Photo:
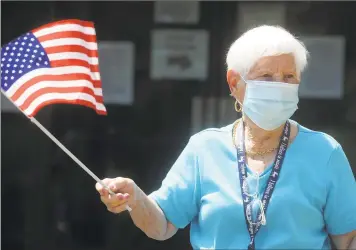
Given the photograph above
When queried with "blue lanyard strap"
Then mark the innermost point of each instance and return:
(241, 162)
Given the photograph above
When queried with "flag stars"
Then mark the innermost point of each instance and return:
(20, 57)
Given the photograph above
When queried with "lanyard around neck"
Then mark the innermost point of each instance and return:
(241, 162)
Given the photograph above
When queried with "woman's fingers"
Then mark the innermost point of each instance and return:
(117, 184)
(124, 190)
(113, 184)
(102, 190)
(114, 200)
(118, 208)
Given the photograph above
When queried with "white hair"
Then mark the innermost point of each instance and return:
(264, 41)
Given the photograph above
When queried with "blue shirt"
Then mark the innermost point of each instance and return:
(315, 194)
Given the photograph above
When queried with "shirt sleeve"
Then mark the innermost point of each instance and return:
(340, 209)
(178, 196)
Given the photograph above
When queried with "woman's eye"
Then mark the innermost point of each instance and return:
(266, 77)
(289, 76)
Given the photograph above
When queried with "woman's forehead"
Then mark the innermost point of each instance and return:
(275, 64)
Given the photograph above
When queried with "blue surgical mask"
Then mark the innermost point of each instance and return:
(270, 104)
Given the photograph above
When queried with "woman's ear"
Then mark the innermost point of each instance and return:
(232, 79)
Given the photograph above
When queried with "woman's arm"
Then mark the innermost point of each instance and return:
(345, 241)
(173, 206)
(149, 217)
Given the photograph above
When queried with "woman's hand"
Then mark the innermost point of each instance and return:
(146, 214)
(125, 191)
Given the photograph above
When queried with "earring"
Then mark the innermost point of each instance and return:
(237, 106)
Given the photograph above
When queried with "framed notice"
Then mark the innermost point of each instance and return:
(179, 54)
(324, 76)
(116, 61)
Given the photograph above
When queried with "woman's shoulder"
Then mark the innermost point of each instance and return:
(306, 138)
(213, 134)
(316, 139)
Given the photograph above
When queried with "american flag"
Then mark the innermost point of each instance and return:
(55, 63)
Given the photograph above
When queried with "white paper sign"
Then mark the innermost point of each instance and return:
(186, 12)
(179, 54)
(116, 61)
(324, 76)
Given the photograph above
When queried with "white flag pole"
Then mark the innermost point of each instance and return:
(59, 144)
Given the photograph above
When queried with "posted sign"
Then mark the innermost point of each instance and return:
(179, 54)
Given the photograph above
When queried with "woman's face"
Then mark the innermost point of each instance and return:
(280, 68)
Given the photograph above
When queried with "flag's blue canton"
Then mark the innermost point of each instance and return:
(21, 56)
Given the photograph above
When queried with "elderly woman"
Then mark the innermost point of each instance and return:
(263, 182)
